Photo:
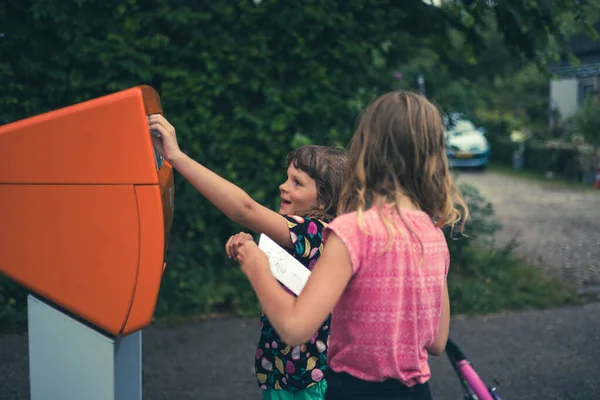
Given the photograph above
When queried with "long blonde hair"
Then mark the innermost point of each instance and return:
(398, 151)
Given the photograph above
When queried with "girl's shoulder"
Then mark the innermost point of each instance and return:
(296, 220)
(345, 226)
(307, 238)
(349, 218)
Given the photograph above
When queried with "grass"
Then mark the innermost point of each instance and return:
(496, 280)
(539, 177)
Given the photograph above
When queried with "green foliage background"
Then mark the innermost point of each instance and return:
(245, 82)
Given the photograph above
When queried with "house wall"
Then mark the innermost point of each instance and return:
(564, 96)
(575, 83)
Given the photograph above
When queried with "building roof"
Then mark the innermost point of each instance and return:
(583, 70)
(587, 50)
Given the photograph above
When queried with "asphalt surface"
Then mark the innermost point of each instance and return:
(535, 355)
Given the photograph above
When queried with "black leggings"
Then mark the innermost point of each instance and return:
(342, 386)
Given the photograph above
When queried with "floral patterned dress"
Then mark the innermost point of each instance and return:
(278, 365)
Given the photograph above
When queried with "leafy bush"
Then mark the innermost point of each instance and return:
(479, 229)
(502, 149)
(238, 96)
(566, 162)
(498, 280)
(497, 121)
(241, 81)
(537, 157)
(585, 123)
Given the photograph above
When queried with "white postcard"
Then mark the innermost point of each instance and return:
(284, 267)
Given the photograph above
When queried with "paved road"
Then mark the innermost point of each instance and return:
(558, 227)
(538, 355)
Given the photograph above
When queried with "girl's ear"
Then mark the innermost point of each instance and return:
(321, 206)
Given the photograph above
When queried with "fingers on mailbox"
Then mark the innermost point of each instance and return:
(164, 132)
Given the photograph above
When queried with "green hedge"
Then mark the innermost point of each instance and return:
(502, 150)
(240, 81)
(538, 157)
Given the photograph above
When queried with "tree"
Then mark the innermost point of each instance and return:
(585, 123)
(239, 79)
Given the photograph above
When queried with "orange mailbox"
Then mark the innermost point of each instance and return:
(86, 208)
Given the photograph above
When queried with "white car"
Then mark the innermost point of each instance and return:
(466, 146)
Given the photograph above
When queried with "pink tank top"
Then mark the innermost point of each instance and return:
(390, 310)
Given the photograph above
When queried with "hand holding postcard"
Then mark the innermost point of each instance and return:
(284, 267)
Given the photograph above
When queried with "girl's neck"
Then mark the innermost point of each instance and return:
(401, 201)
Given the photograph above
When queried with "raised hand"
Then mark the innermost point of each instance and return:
(164, 138)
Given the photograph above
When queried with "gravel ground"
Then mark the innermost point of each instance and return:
(557, 227)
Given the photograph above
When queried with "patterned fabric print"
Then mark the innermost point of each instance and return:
(391, 308)
(278, 365)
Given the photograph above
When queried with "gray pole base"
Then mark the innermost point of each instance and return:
(71, 361)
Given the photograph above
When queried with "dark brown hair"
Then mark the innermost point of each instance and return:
(326, 165)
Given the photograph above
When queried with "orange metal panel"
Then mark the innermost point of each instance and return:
(93, 142)
(151, 258)
(85, 215)
(77, 246)
(156, 215)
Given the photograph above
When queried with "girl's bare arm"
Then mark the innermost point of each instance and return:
(234, 202)
(296, 319)
(439, 345)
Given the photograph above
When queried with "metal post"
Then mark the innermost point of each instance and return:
(71, 361)
(421, 83)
